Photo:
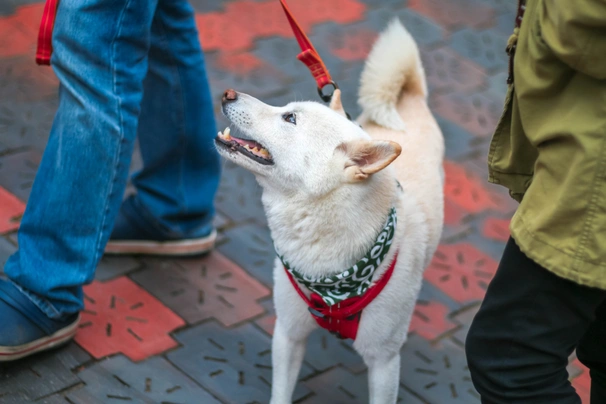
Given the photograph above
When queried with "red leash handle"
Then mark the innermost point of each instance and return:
(309, 56)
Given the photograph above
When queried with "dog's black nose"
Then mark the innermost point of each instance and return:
(229, 96)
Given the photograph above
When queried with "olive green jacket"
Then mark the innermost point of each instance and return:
(549, 147)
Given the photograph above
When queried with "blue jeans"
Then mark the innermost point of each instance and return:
(127, 68)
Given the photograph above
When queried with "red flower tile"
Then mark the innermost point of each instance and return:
(496, 229)
(582, 383)
(11, 211)
(203, 288)
(240, 63)
(461, 271)
(453, 14)
(243, 21)
(453, 213)
(19, 32)
(352, 45)
(430, 320)
(120, 316)
(466, 190)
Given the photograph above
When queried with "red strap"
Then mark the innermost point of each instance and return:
(309, 55)
(45, 34)
(342, 319)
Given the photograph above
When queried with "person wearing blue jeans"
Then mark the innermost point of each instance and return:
(126, 68)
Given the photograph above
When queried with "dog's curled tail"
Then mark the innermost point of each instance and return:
(393, 69)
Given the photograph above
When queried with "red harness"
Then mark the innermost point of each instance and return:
(342, 319)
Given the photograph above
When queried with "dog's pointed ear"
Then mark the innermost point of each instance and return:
(335, 103)
(366, 157)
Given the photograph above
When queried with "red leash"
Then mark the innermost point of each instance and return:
(309, 56)
(45, 34)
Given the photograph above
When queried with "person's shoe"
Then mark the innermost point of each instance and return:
(25, 329)
(133, 235)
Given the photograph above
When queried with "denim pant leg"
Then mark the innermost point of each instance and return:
(180, 175)
(100, 58)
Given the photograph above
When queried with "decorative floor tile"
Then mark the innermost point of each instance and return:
(248, 20)
(252, 248)
(121, 317)
(464, 318)
(582, 383)
(325, 351)
(430, 320)
(478, 113)
(353, 44)
(239, 195)
(19, 31)
(338, 386)
(425, 32)
(486, 48)
(11, 212)
(22, 80)
(497, 86)
(153, 381)
(466, 190)
(40, 375)
(446, 71)
(502, 6)
(437, 373)
(6, 250)
(114, 266)
(454, 14)
(204, 288)
(17, 172)
(245, 73)
(457, 140)
(461, 271)
(496, 229)
(268, 321)
(234, 364)
(26, 124)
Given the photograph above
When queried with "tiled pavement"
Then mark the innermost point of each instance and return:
(199, 330)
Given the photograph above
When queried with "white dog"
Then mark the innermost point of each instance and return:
(332, 191)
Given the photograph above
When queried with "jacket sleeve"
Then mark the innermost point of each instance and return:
(575, 31)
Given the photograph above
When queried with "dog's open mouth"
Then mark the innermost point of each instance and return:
(249, 148)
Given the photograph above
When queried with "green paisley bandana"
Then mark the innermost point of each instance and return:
(356, 280)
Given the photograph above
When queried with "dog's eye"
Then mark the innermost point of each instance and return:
(290, 118)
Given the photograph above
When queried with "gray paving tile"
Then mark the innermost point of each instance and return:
(152, 381)
(234, 364)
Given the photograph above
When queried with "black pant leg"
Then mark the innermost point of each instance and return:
(529, 323)
(591, 351)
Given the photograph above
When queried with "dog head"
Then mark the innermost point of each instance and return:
(303, 146)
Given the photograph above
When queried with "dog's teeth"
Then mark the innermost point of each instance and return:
(226, 134)
(264, 152)
(256, 149)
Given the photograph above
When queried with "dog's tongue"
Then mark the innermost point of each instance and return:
(247, 142)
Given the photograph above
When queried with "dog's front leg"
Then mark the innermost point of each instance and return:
(287, 356)
(383, 377)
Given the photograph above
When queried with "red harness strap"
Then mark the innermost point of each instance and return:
(342, 319)
(309, 55)
(45, 34)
